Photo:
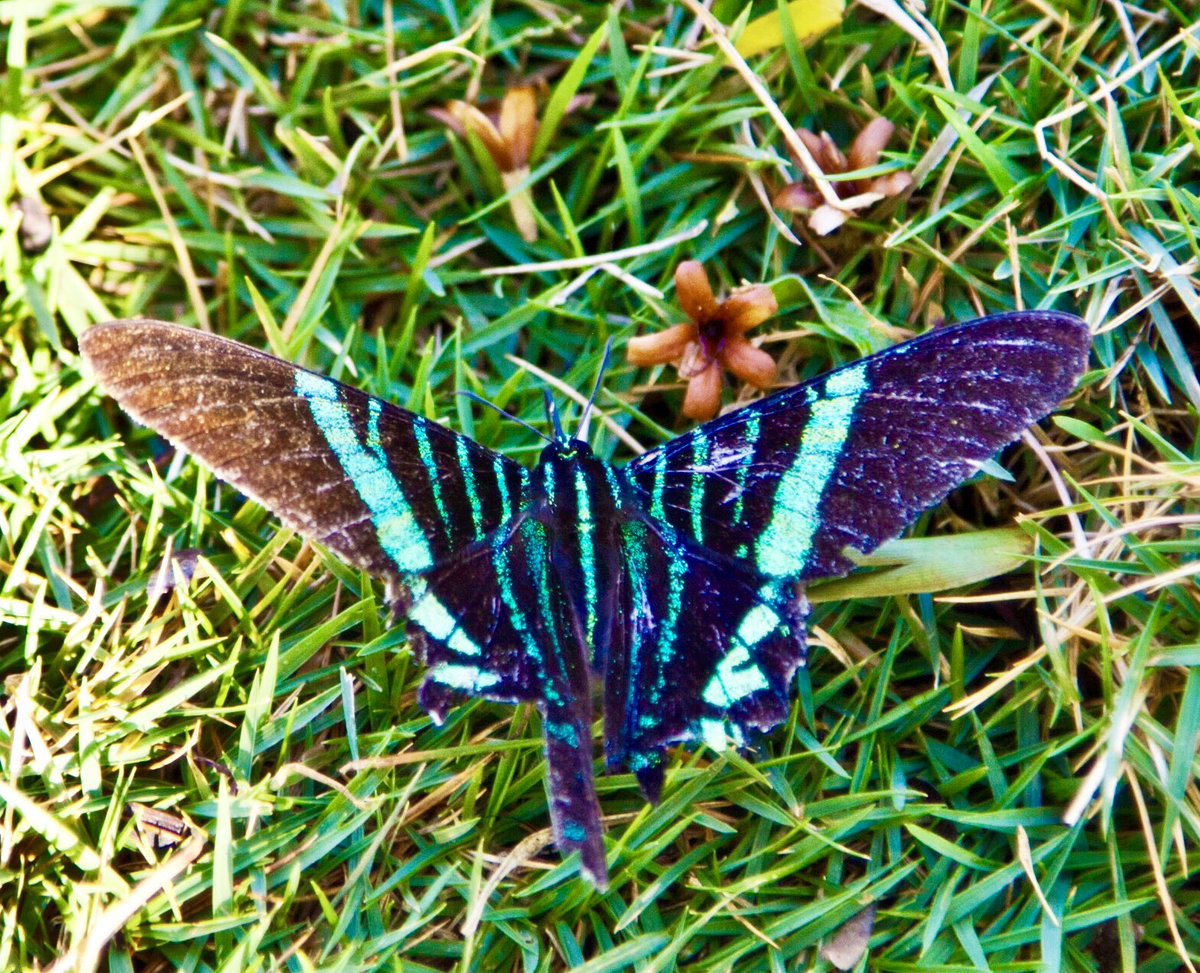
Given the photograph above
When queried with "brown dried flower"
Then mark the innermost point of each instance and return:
(854, 193)
(508, 137)
(713, 340)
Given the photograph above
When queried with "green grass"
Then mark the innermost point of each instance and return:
(239, 166)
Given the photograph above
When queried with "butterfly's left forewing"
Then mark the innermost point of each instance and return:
(848, 460)
(386, 490)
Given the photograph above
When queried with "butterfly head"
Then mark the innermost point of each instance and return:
(561, 466)
(566, 452)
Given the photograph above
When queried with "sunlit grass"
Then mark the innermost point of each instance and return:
(233, 769)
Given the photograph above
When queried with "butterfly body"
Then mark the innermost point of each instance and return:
(541, 588)
(676, 581)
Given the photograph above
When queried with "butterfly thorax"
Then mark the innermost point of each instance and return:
(577, 498)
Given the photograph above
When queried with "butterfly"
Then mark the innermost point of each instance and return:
(677, 578)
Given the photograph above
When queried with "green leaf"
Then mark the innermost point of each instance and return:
(988, 157)
(917, 565)
(564, 91)
(246, 73)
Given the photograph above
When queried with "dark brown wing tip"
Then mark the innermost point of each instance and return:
(112, 337)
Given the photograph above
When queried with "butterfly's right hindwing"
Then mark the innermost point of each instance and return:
(385, 489)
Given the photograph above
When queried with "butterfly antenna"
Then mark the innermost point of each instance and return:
(552, 416)
(507, 415)
(587, 409)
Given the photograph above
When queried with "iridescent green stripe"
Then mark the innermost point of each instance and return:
(469, 679)
(718, 734)
(564, 733)
(677, 570)
(425, 452)
(735, 677)
(431, 614)
(759, 622)
(614, 484)
(783, 547)
(700, 445)
(501, 563)
(574, 831)
(374, 411)
(634, 543)
(538, 558)
(396, 528)
(648, 665)
(502, 488)
(469, 485)
(587, 549)
(660, 483)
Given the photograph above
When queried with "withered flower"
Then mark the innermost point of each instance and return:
(508, 138)
(854, 193)
(713, 339)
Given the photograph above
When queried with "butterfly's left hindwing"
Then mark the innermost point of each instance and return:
(386, 490)
(708, 651)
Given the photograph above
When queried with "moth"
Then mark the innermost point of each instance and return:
(676, 579)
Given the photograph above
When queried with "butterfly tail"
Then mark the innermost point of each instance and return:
(574, 808)
(558, 638)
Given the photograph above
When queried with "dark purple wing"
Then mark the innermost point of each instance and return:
(706, 651)
(849, 459)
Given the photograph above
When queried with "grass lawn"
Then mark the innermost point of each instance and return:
(211, 752)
